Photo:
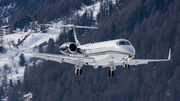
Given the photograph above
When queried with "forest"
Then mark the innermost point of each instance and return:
(152, 26)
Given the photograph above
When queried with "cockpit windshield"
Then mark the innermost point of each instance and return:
(124, 43)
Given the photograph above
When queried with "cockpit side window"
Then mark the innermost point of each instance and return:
(122, 43)
(128, 43)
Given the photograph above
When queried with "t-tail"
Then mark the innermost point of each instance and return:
(72, 30)
(72, 33)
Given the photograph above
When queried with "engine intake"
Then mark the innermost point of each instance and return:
(68, 48)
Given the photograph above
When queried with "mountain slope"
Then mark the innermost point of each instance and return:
(152, 26)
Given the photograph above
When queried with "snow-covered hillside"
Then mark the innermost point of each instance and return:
(9, 61)
(11, 58)
(95, 8)
(4, 12)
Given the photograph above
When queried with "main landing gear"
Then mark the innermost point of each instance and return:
(126, 66)
(110, 73)
(112, 69)
(78, 71)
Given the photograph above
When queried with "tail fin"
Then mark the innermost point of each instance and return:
(73, 31)
(71, 35)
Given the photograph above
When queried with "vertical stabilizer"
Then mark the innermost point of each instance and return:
(73, 33)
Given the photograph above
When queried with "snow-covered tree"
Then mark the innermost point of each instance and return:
(22, 60)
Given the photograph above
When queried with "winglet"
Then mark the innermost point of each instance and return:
(169, 56)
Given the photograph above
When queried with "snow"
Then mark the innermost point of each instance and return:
(11, 58)
(9, 61)
(11, 6)
(5, 99)
(5, 12)
(113, 1)
(27, 96)
(95, 8)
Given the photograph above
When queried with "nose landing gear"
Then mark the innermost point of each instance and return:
(125, 65)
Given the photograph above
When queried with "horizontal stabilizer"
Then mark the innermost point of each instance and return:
(72, 26)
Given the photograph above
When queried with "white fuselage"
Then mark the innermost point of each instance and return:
(108, 51)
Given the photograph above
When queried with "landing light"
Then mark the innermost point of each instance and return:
(130, 57)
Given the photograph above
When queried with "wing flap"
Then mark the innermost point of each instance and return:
(144, 61)
(63, 58)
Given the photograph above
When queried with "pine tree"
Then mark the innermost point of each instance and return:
(50, 47)
(40, 49)
(25, 28)
(11, 28)
(11, 84)
(22, 60)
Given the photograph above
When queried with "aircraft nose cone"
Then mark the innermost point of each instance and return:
(132, 51)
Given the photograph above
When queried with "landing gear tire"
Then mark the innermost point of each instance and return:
(112, 73)
(126, 65)
(76, 71)
(80, 71)
(109, 73)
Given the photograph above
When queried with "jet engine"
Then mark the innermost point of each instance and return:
(68, 48)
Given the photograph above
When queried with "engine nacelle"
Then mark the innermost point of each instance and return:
(68, 48)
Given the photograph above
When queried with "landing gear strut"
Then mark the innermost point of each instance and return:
(112, 69)
(78, 69)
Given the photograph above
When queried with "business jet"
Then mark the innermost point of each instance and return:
(110, 54)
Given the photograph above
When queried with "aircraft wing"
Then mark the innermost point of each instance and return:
(58, 57)
(63, 58)
(144, 61)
